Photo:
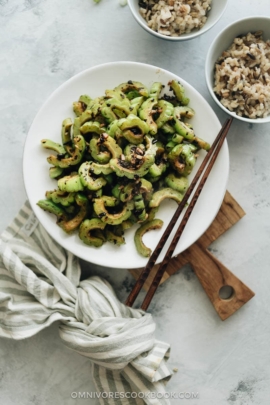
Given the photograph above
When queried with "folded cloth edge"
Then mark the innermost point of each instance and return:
(22, 230)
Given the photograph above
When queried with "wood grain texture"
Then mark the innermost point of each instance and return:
(212, 274)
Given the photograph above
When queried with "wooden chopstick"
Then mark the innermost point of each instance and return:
(213, 151)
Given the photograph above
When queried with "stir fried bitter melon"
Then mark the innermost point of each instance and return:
(121, 156)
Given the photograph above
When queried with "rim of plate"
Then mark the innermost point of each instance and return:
(36, 209)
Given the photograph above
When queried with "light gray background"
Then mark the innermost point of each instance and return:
(42, 44)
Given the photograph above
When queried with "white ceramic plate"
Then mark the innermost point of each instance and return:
(47, 124)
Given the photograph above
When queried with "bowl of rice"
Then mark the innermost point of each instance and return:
(177, 20)
(237, 69)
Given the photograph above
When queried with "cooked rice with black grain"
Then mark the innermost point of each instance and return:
(173, 17)
(242, 76)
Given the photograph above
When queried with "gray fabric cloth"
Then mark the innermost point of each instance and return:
(40, 284)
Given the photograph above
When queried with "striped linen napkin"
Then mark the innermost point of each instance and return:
(40, 284)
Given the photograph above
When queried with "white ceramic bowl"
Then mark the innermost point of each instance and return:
(47, 124)
(223, 42)
(218, 8)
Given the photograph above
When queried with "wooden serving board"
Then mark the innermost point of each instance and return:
(213, 275)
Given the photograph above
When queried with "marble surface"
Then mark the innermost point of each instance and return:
(42, 44)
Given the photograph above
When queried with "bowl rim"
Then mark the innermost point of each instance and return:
(208, 70)
(187, 37)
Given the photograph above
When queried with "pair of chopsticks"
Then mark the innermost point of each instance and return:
(203, 171)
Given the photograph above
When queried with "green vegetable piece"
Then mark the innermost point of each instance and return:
(194, 147)
(187, 132)
(146, 186)
(55, 172)
(182, 159)
(91, 112)
(114, 238)
(76, 152)
(125, 168)
(70, 225)
(66, 131)
(91, 126)
(80, 106)
(70, 183)
(146, 113)
(156, 170)
(177, 183)
(142, 249)
(119, 106)
(61, 197)
(151, 148)
(116, 94)
(176, 139)
(98, 233)
(87, 179)
(87, 234)
(182, 112)
(152, 213)
(133, 86)
(155, 90)
(113, 129)
(116, 190)
(109, 200)
(76, 126)
(135, 104)
(132, 151)
(84, 98)
(101, 156)
(153, 179)
(160, 195)
(201, 144)
(127, 192)
(95, 106)
(183, 130)
(129, 151)
(128, 223)
(139, 206)
(112, 219)
(119, 113)
(167, 110)
(132, 94)
(132, 121)
(160, 148)
(167, 129)
(108, 142)
(53, 208)
(134, 129)
(98, 168)
(87, 115)
(170, 145)
(111, 145)
(116, 106)
(179, 92)
(108, 114)
(48, 144)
